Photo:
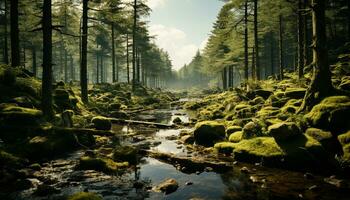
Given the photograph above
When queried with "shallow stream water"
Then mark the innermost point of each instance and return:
(260, 183)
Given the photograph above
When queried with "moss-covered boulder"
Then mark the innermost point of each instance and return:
(100, 164)
(84, 196)
(300, 153)
(331, 114)
(263, 93)
(284, 131)
(224, 147)
(10, 161)
(125, 154)
(251, 130)
(15, 115)
(232, 129)
(208, 132)
(236, 137)
(345, 83)
(328, 141)
(101, 123)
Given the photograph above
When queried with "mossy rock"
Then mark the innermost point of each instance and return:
(84, 196)
(15, 115)
(345, 83)
(224, 147)
(268, 111)
(263, 93)
(257, 101)
(251, 130)
(344, 139)
(114, 106)
(101, 123)
(284, 131)
(208, 132)
(331, 114)
(328, 141)
(125, 154)
(236, 137)
(8, 76)
(300, 153)
(232, 129)
(100, 164)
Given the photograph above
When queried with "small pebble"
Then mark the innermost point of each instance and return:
(309, 176)
(314, 187)
(244, 170)
(189, 183)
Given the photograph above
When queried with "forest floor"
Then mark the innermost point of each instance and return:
(149, 143)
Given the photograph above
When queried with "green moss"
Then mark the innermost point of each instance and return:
(15, 115)
(100, 164)
(232, 129)
(236, 137)
(224, 147)
(268, 111)
(101, 123)
(331, 114)
(344, 139)
(84, 196)
(295, 93)
(260, 147)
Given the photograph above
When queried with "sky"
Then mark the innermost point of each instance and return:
(182, 27)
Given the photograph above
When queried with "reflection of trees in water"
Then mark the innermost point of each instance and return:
(141, 186)
(240, 187)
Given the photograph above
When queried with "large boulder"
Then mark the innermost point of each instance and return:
(236, 137)
(232, 129)
(284, 131)
(101, 123)
(295, 93)
(125, 154)
(328, 141)
(208, 132)
(331, 114)
(263, 93)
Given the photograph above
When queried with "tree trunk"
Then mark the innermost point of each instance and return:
(134, 45)
(34, 68)
(272, 54)
(47, 61)
(224, 78)
(127, 58)
(72, 71)
(348, 20)
(306, 35)
(253, 64)
(15, 52)
(300, 40)
(246, 76)
(256, 41)
(281, 53)
(83, 67)
(6, 51)
(65, 66)
(113, 55)
(97, 68)
(321, 84)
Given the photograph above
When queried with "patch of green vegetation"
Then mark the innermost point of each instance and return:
(344, 139)
(232, 129)
(7, 159)
(101, 164)
(84, 196)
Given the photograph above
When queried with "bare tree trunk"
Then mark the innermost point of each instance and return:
(272, 54)
(321, 84)
(34, 67)
(348, 20)
(65, 66)
(300, 40)
(246, 76)
(256, 41)
(15, 52)
(281, 53)
(46, 102)
(306, 35)
(83, 67)
(6, 51)
(72, 71)
(134, 45)
(127, 58)
(113, 55)
(224, 78)
(253, 64)
(97, 68)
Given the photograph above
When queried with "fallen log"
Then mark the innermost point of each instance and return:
(135, 122)
(190, 164)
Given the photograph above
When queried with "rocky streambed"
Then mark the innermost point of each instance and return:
(166, 168)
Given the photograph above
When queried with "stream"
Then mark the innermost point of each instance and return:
(260, 183)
